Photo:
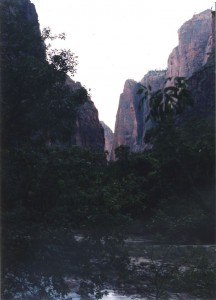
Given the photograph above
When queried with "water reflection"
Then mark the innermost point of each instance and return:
(126, 268)
(111, 296)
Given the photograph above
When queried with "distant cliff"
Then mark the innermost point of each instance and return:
(194, 46)
(130, 126)
(192, 58)
(108, 135)
(198, 67)
(126, 119)
(88, 130)
(156, 80)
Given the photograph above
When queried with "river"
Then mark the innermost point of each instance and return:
(170, 272)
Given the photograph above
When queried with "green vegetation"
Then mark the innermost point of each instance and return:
(165, 194)
(53, 192)
(37, 107)
(168, 271)
(166, 102)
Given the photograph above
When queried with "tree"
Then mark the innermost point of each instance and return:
(36, 105)
(62, 59)
(168, 101)
(122, 153)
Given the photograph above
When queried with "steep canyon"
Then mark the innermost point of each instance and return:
(193, 58)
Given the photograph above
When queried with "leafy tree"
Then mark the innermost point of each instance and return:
(36, 105)
(122, 153)
(168, 101)
(63, 60)
(50, 193)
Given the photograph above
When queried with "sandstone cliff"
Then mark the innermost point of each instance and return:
(26, 7)
(23, 52)
(130, 126)
(192, 58)
(108, 135)
(202, 87)
(156, 80)
(191, 54)
(202, 81)
(88, 130)
(126, 119)
(21, 11)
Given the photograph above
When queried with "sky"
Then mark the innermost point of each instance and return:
(116, 40)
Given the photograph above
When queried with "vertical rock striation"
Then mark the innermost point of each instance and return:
(23, 16)
(156, 80)
(26, 43)
(130, 126)
(202, 81)
(193, 58)
(108, 135)
(195, 38)
(127, 117)
(89, 132)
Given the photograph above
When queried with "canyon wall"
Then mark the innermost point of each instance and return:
(108, 136)
(193, 58)
(89, 132)
(126, 119)
(21, 43)
(194, 46)
(130, 126)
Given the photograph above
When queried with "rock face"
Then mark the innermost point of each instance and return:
(202, 81)
(25, 7)
(210, 48)
(25, 11)
(130, 125)
(156, 80)
(202, 87)
(195, 38)
(192, 58)
(29, 45)
(108, 135)
(89, 132)
(29, 9)
(127, 116)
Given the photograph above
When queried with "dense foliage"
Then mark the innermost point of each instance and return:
(168, 101)
(36, 105)
(165, 194)
(65, 209)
